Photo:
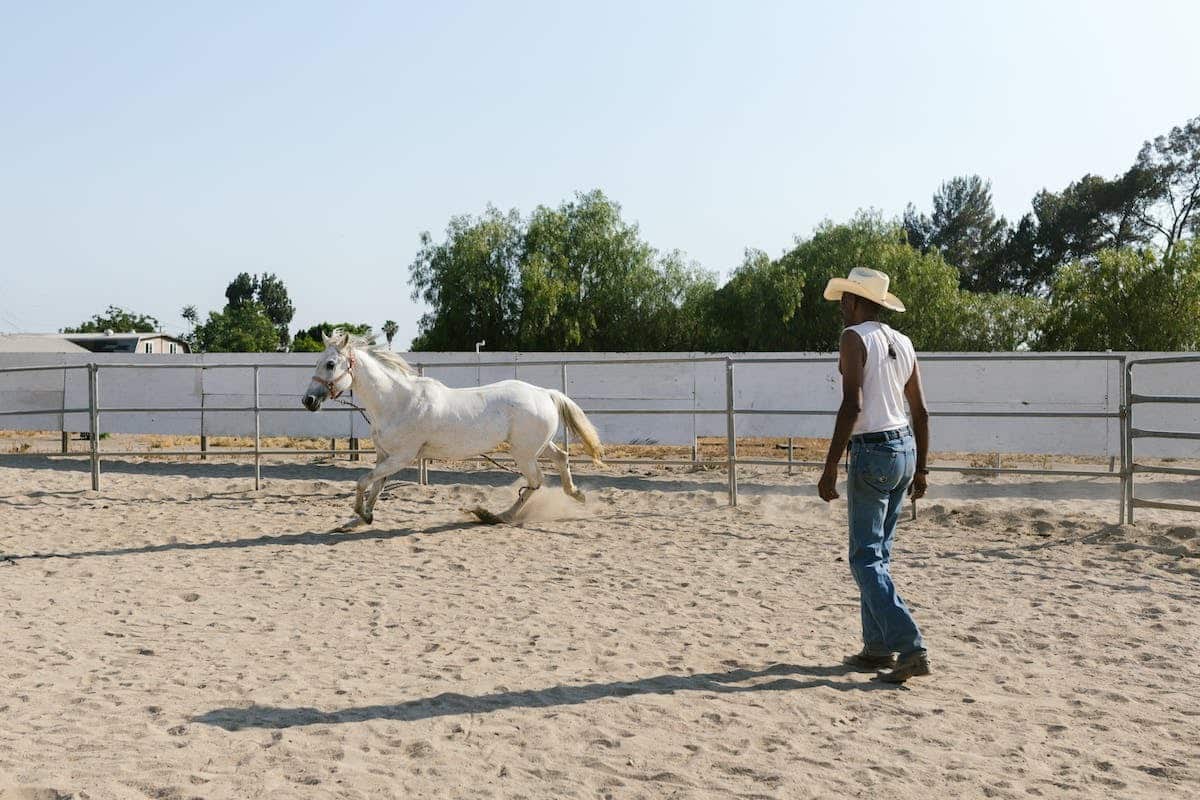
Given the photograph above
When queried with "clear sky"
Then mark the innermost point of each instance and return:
(151, 151)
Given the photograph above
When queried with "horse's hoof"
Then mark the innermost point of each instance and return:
(580, 496)
(485, 516)
(348, 525)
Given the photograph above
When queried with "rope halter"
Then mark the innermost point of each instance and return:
(331, 384)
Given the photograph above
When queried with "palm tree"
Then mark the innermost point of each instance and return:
(389, 330)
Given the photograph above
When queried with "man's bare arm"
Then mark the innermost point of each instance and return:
(852, 359)
(915, 394)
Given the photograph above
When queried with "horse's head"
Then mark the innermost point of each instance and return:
(332, 375)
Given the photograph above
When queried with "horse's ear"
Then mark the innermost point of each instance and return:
(325, 339)
(339, 339)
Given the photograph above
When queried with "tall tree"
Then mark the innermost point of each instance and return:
(253, 304)
(470, 282)
(241, 290)
(389, 330)
(964, 229)
(117, 320)
(272, 295)
(1170, 165)
(589, 281)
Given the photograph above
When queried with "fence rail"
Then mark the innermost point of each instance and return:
(731, 413)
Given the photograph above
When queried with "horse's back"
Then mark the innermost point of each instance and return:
(511, 410)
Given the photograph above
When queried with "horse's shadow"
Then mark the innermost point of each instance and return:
(450, 704)
(327, 538)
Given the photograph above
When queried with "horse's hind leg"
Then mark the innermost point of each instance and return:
(559, 457)
(533, 481)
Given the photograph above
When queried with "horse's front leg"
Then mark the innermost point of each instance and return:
(365, 501)
(372, 482)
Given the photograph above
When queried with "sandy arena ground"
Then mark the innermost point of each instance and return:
(178, 635)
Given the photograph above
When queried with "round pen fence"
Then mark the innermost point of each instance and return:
(1066, 401)
(1135, 400)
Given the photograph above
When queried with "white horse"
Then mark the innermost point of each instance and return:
(417, 417)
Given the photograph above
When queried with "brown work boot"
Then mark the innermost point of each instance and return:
(912, 665)
(869, 662)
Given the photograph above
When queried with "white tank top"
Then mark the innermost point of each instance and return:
(883, 378)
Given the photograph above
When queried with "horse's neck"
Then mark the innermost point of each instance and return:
(377, 386)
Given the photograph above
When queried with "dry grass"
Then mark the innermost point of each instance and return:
(708, 449)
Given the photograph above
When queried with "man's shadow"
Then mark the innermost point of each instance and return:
(450, 704)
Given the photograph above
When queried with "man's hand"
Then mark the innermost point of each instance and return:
(916, 489)
(827, 486)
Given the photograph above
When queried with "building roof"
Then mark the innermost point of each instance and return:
(37, 343)
(123, 342)
(122, 335)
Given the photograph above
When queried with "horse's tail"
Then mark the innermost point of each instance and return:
(578, 423)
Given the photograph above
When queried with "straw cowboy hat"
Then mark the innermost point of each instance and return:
(869, 283)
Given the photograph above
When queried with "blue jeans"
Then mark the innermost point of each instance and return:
(880, 473)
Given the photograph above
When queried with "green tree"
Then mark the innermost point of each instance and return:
(999, 322)
(1127, 300)
(118, 320)
(964, 229)
(575, 277)
(241, 290)
(927, 284)
(589, 282)
(679, 321)
(310, 340)
(756, 309)
(249, 301)
(470, 282)
(272, 295)
(588, 278)
(243, 328)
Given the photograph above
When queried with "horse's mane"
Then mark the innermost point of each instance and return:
(380, 353)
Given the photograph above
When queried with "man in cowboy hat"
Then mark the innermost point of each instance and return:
(879, 372)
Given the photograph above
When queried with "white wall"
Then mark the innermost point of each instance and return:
(974, 383)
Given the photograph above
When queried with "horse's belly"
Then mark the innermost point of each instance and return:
(464, 442)
(447, 452)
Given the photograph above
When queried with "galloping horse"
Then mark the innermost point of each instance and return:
(416, 417)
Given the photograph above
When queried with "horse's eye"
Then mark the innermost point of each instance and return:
(330, 364)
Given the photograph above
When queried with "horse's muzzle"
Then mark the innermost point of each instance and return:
(311, 402)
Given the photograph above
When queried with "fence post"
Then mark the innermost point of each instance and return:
(566, 439)
(62, 418)
(94, 424)
(203, 432)
(1127, 444)
(789, 455)
(257, 435)
(422, 464)
(730, 433)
